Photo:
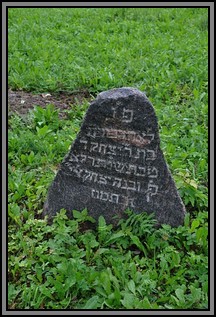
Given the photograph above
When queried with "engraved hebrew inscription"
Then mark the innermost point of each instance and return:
(116, 163)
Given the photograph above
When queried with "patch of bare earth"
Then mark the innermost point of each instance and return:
(21, 101)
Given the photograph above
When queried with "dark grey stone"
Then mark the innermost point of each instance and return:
(116, 163)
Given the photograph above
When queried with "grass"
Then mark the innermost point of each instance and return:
(153, 49)
(136, 266)
(60, 267)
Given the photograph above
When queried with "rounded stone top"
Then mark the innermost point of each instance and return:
(120, 93)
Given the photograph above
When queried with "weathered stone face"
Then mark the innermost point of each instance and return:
(116, 163)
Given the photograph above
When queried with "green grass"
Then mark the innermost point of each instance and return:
(150, 48)
(60, 267)
(160, 51)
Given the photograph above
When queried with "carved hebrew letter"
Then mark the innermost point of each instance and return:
(127, 115)
(84, 142)
(95, 193)
(117, 182)
(152, 190)
(152, 172)
(114, 198)
(150, 155)
(104, 195)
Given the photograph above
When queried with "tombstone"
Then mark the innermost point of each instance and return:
(116, 163)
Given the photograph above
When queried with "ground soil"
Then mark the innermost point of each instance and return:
(22, 101)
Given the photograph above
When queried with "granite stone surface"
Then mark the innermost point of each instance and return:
(116, 163)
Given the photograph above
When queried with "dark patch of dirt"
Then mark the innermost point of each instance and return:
(22, 101)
